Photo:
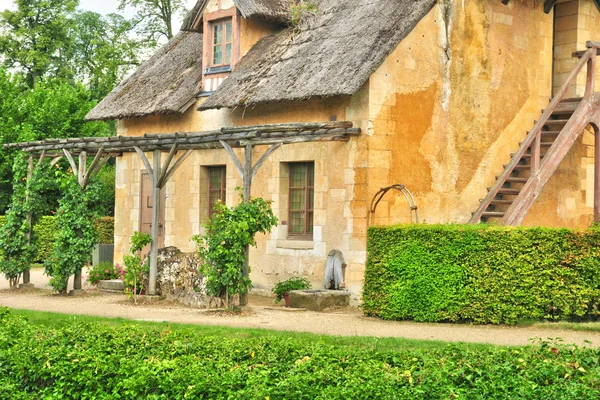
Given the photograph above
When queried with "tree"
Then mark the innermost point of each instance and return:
(34, 36)
(102, 51)
(154, 18)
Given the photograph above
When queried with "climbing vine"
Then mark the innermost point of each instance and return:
(222, 248)
(16, 253)
(17, 238)
(77, 232)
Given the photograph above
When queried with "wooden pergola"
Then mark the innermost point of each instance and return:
(246, 137)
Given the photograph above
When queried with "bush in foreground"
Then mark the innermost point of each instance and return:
(482, 274)
(106, 362)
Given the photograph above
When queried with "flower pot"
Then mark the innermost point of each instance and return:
(286, 297)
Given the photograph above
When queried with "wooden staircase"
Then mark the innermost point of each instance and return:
(544, 147)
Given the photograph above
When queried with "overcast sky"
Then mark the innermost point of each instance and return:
(99, 6)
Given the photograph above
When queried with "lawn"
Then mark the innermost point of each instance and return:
(45, 355)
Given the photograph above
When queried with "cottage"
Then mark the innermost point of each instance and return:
(445, 95)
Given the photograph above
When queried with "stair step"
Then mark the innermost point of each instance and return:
(512, 155)
(507, 191)
(550, 132)
(492, 214)
(556, 122)
(514, 179)
(520, 167)
(501, 202)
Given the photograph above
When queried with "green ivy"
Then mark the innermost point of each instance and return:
(106, 230)
(76, 235)
(223, 248)
(44, 230)
(482, 274)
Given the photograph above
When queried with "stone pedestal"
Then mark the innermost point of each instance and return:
(27, 286)
(319, 300)
(113, 285)
(77, 292)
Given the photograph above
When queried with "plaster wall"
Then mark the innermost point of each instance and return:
(453, 101)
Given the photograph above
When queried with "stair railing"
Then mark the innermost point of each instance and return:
(533, 139)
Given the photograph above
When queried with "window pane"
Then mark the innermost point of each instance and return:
(229, 32)
(218, 34)
(311, 174)
(218, 55)
(228, 53)
(298, 174)
(298, 199)
(310, 222)
(297, 223)
(311, 199)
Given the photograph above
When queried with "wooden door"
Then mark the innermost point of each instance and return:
(146, 211)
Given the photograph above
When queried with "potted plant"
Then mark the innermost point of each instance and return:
(282, 289)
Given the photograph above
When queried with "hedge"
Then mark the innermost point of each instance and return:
(482, 274)
(46, 227)
(101, 361)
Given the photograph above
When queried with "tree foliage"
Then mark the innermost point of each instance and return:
(222, 248)
(154, 18)
(77, 232)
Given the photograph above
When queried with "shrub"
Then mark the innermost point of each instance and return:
(482, 274)
(135, 268)
(44, 230)
(286, 286)
(99, 361)
(105, 271)
(106, 230)
(223, 249)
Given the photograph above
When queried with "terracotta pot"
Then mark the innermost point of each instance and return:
(286, 297)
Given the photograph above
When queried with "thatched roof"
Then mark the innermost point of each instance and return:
(167, 83)
(332, 55)
(275, 11)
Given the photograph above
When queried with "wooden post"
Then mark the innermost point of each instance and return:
(27, 272)
(247, 179)
(155, 222)
(596, 173)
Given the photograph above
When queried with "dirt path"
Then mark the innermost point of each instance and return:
(348, 322)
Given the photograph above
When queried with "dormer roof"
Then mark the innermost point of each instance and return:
(274, 11)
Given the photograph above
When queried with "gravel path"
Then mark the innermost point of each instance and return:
(263, 314)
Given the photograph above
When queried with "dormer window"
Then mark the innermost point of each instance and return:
(222, 47)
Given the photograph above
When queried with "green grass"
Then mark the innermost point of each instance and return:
(573, 326)
(57, 321)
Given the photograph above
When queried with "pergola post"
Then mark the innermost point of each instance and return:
(83, 174)
(155, 222)
(247, 172)
(159, 176)
(596, 173)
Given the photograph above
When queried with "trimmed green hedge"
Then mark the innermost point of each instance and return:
(46, 227)
(99, 361)
(106, 230)
(482, 274)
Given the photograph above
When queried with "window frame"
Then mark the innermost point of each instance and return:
(213, 25)
(222, 190)
(308, 229)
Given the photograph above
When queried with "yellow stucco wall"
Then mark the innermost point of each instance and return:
(441, 115)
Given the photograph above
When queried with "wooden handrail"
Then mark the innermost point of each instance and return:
(537, 129)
